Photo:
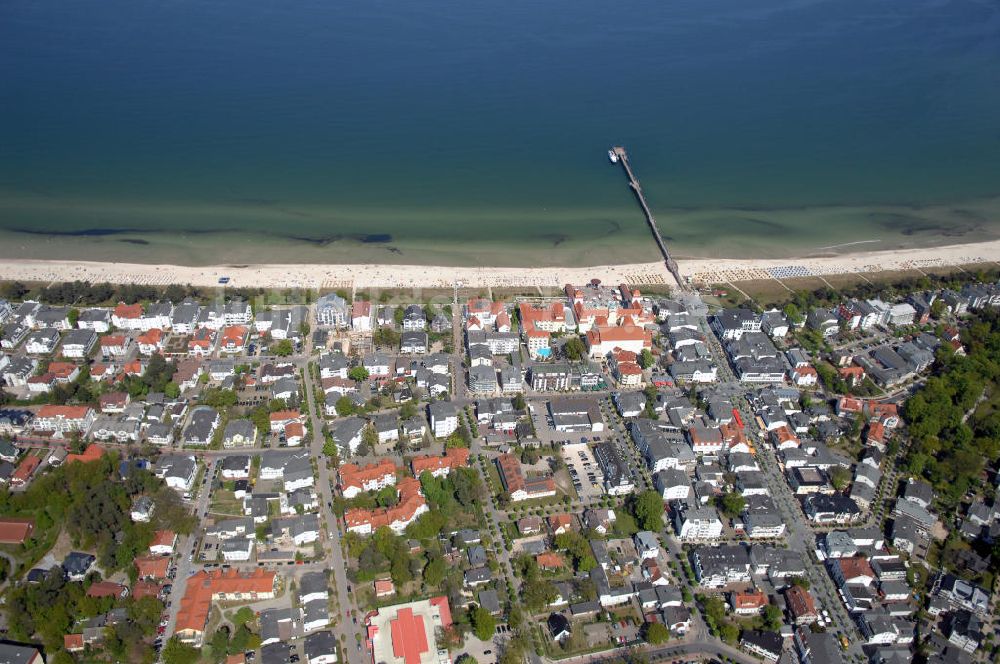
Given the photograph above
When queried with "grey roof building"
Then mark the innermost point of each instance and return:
(201, 426)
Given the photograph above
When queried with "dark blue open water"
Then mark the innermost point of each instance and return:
(440, 126)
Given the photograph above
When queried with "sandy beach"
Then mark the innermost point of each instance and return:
(722, 270)
(697, 270)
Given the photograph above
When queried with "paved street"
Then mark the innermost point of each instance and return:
(798, 531)
(183, 551)
(344, 628)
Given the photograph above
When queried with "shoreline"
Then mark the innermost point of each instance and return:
(332, 276)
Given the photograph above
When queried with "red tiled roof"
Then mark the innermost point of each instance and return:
(854, 567)
(92, 453)
(282, 415)
(361, 308)
(629, 369)
(850, 405)
(557, 521)
(410, 500)
(145, 589)
(234, 335)
(409, 638)
(550, 560)
(25, 469)
(73, 642)
(783, 435)
(153, 566)
(15, 531)
(67, 412)
(800, 602)
(105, 589)
(45, 379)
(109, 340)
(455, 457)
(203, 586)
(876, 409)
(354, 475)
(133, 368)
(163, 538)
(114, 399)
(62, 369)
(152, 337)
(128, 310)
(876, 432)
(749, 600)
(604, 334)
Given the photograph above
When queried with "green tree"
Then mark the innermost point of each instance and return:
(840, 477)
(574, 349)
(731, 504)
(407, 410)
(387, 496)
(647, 508)
(792, 313)
(468, 486)
(344, 407)
(483, 624)
(646, 359)
(219, 398)
(369, 439)
(434, 571)
(799, 581)
(772, 618)
(219, 645)
(171, 390)
(656, 633)
(283, 348)
(729, 632)
(243, 615)
(358, 374)
(519, 403)
(175, 652)
(73, 316)
(330, 448)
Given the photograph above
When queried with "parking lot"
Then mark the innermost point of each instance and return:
(583, 470)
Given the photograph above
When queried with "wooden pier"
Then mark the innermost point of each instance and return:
(633, 182)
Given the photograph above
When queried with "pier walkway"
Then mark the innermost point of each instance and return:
(633, 182)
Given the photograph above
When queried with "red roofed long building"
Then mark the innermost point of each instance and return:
(410, 506)
(203, 588)
(517, 485)
(15, 531)
(603, 339)
(355, 479)
(63, 419)
(440, 466)
(407, 633)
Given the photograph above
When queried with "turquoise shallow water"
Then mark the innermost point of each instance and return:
(470, 132)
